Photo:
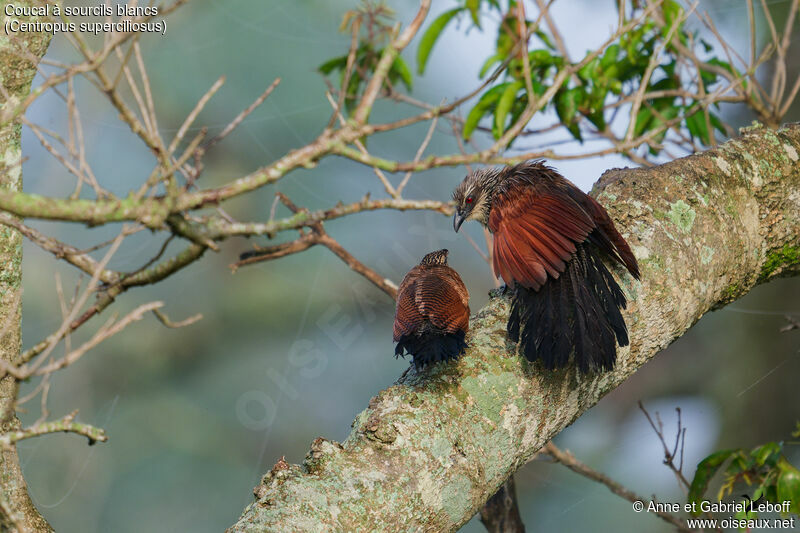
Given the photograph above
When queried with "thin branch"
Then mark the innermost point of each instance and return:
(66, 424)
(72, 255)
(164, 319)
(567, 459)
(192, 116)
(318, 235)
(793, 323)
(241, 116)
(418, 155)
(108, 330)
(669, 456)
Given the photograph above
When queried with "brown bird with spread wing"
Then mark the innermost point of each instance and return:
(550, 239)
(432, 315)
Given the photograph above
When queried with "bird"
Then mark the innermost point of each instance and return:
(550, 241)
(432, 314)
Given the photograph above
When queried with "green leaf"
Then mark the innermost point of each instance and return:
(597, 118)
(589, 71)
(352, 92)
(567, 103)
(609, 56)
(717, 123)
(400, 69)
(697, 126)
(505, 38)
(504, 104)
(474, 9)
(705, 471)
(788, 485)
(544, 38)
(485, 103)
(766, 453)
(431, 35)
(727, 66)
(669, 68)
(333, 64)
(672, 10)
(741, 462)
(540, 58)
(708, 77)
(489, 63)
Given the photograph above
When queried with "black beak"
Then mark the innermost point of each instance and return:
(458, 219)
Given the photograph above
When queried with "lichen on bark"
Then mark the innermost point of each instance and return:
(430, 450)
(16, 74)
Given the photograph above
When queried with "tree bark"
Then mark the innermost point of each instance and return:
(428, 452)
(19, 56)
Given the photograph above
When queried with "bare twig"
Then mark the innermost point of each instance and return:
(793, 323)
(318, 235)
(164, 319)
(241, 116)
(66, 424)
(109, 329)
(670, 455)
(567, 459)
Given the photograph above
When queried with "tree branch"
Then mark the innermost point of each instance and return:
(19, 58)
(430, 450)
(567, 459)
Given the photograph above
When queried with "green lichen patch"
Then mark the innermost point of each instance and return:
(788, 255)
(682, 215)
(732, 291)
(605, 194)
(490, 392)
(706, 255)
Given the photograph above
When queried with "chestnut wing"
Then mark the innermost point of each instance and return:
(407, 317)
(442, 298)
(536, 228)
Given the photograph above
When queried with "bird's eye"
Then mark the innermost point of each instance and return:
(470, 199)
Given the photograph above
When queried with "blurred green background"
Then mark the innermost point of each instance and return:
(292, 349)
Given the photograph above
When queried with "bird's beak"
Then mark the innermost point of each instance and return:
(458, 219)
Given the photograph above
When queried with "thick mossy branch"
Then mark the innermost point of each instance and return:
(430, 450)
(18, 60)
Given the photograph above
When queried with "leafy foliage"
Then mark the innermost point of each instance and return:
(376, 21)
(366, 59)
(589, 99)
(765, 467)
(656, 72)
(601, 85)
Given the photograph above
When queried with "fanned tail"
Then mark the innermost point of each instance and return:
(580, 310)
(432, 346)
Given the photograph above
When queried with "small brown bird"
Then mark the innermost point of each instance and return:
(432, 315)
(550, 239)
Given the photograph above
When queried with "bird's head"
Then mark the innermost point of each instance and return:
(473, 196)
(439, 257)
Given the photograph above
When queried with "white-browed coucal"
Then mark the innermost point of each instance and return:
(550, 240)
(432, 315)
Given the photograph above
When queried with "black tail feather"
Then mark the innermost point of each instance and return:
(580, 310)
(432, 346)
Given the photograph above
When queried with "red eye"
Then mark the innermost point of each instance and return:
(469, 199)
